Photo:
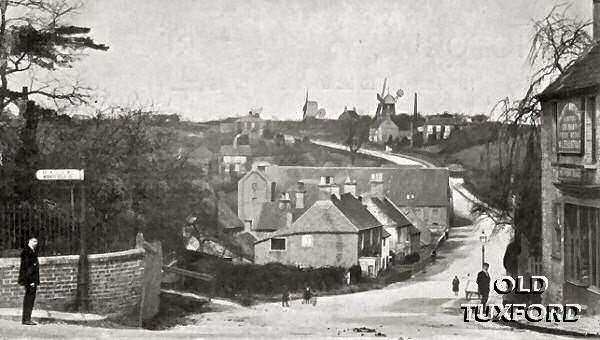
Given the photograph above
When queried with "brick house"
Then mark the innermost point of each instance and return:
(332, 232)
(571, 181)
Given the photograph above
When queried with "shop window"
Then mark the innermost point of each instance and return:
(581, 244)
(277, 244)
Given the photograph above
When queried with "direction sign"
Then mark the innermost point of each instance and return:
(59, 175)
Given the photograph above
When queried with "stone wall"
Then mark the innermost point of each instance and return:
(115, 282)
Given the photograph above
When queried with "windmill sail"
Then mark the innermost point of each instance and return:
(305, 106)
(380, 100)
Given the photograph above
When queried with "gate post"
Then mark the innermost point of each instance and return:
(83, 270)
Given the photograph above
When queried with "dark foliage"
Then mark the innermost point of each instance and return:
(412, 258)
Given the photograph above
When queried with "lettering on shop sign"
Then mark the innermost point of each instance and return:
(570, 130)
(570, 174)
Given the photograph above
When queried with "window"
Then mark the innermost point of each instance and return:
(307, 240)
(248, 224)
(591, 112)
(582, 248)
(277, 244)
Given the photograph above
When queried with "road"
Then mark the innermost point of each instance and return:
(421, 308)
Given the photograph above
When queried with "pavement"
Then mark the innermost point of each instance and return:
(49, 315)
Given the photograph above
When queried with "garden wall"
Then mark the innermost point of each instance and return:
(115, 282)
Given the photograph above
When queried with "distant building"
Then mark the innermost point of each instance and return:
(349, 114)
(311, 109)
(439, 127)
(382, 131)
(234, 158)
(252, 125)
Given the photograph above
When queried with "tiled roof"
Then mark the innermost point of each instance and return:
(389, 209)
(271, 217)
(355, 211)
(227, 218)
(430, 185)
(584, 73)
(322, 217)
(385, 234)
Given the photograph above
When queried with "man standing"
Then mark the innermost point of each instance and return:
(483, 284)
(29, 277)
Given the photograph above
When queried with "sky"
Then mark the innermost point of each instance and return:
(207, 59)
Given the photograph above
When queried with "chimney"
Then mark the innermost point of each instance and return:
(284, 201)
(350, 186)
(376, 184)
(334, 190)
(300, 196)
(596, 19)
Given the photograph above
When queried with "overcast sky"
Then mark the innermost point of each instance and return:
(206, 59)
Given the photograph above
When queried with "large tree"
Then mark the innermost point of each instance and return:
(356, 134)
(36, 34)
(513, 194)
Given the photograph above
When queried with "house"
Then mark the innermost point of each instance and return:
(438, 127)
(386, 130)
(422, 194)
(252, 125)
(334, 231)
(349, 114)
(234, 158)
(571, 181)
(405, 238)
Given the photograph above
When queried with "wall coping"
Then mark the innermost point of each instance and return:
(104, 257)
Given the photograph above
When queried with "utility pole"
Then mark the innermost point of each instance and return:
(414, 123)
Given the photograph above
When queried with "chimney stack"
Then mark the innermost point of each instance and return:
(350, 186)
(300, 196)
(596, 21)
(376, 183)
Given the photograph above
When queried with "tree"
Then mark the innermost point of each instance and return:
(513, 194)
(356, 133)
(34, 35)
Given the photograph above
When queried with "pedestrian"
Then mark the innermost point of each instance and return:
(285, 300)
(29, 278)
(483, 284)
(307, 295)
(455, 284)
(314, 298)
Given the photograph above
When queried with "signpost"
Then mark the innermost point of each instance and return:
(82, 277)
(570, 130)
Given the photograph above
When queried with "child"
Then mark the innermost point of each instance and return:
(455, 284)
(314, 298)
(285, 300)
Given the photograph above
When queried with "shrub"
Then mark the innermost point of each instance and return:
(355, 274)
(412, 258)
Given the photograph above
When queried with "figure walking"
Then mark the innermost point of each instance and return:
(455, 284)
(307, 295)
(483, 284)
(314, 298)
(29, 278)
(285, 300)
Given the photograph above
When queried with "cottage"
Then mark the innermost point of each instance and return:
(404, 236)
(438, 127)
(234, 158)
(571, 181)
(332, 232)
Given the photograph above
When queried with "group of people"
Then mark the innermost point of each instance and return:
(309, 297)
(483, 284)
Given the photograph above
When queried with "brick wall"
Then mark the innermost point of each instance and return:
(115, 282)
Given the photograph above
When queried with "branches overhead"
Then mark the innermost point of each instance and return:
(34, 34)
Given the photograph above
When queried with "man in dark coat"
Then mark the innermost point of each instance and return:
(483, 284)
(29, 277)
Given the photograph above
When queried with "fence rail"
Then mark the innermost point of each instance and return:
(57, 231)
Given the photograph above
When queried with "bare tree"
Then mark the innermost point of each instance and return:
(513, 195)
(356, 133)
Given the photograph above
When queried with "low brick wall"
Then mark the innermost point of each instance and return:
(115, 282)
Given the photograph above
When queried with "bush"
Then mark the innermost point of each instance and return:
(412, 258)
(270, 278)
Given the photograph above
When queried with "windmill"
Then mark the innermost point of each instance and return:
(311, 109)
(387, 102)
